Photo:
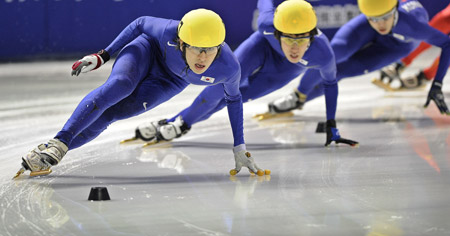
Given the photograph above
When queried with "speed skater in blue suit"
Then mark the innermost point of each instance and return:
(158, 58)
(286, 45)
(387, 31)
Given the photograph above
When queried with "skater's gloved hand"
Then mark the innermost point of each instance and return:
(90, 62)
(333, 135)
(437, 96)
(243, 158)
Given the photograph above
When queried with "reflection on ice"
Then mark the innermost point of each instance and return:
(165, 158)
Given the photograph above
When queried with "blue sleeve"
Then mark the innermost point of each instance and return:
(266, 10)
(425, 32)
(328, 73)
(233, 99)
(148, 25)
(351, 37)
(265, 7)
(251, 55)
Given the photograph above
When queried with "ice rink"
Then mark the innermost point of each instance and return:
(397, 182)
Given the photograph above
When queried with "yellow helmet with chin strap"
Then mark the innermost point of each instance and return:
(201, 28)
(294, 17)
(373, 8)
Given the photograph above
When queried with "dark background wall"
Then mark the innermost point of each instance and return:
(51, 29)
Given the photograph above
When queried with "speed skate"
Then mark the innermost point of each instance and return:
(387, 86)
(33, 173)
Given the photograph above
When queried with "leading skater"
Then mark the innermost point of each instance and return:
(158, 59)
(387, 31)
(286, 44)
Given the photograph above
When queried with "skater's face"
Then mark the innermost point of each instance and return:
(294, 46)
(383, 24)
(200, 59)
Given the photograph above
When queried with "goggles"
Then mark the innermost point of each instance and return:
(198, 50)
(382, 17)
(298, 40)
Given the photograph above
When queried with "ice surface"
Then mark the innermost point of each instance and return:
(396, 183)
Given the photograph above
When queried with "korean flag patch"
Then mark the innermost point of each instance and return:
(207, 79)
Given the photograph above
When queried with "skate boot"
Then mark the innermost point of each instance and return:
(283, 106)
(166, 131)
(39, 160)
(390, 77)
(414, 81)
(145, 131)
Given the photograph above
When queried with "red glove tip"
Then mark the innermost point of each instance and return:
(75, 65)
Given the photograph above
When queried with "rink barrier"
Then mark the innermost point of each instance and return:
(49, 29)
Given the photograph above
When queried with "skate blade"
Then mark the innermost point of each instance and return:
(268, 115)
(42, 172)
(388, 88)
(128, 140)
(382, 85)
(155, 142)
(418, 88)
(21, 171)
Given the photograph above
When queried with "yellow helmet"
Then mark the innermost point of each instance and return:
(295, 17)
(201, 28)
(374, 8)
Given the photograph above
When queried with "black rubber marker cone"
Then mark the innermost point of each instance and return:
(99, 194)
(321, 127)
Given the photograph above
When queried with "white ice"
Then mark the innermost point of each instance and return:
(395, 183)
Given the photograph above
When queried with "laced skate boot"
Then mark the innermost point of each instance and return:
(39, 160)
(295, 100)
(414, 81)
(166, 131)
(283, 106)
(171, 130)
(389, 76)
(147, 131)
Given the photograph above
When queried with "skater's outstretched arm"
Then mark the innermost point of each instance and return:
(150, 26)
(421, 30)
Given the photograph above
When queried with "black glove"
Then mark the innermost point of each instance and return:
(333, 135)
(437, 96)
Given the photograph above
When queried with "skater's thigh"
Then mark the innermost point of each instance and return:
(267, 81)
(150, 93)
(130, 68)
(371, 58)
(261, 85)
(133, 61)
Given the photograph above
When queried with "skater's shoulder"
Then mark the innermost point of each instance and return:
(410, 6)
(266, 27)
(321, 39)
(227, 61)
(412, 11)
(156, 27)
(321, 48)
(227, 56)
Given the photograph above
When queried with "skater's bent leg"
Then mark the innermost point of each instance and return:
(204, 105)
(364, 61)
(317, 91)
(152, 92)
(129, 69)
(310, 80)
